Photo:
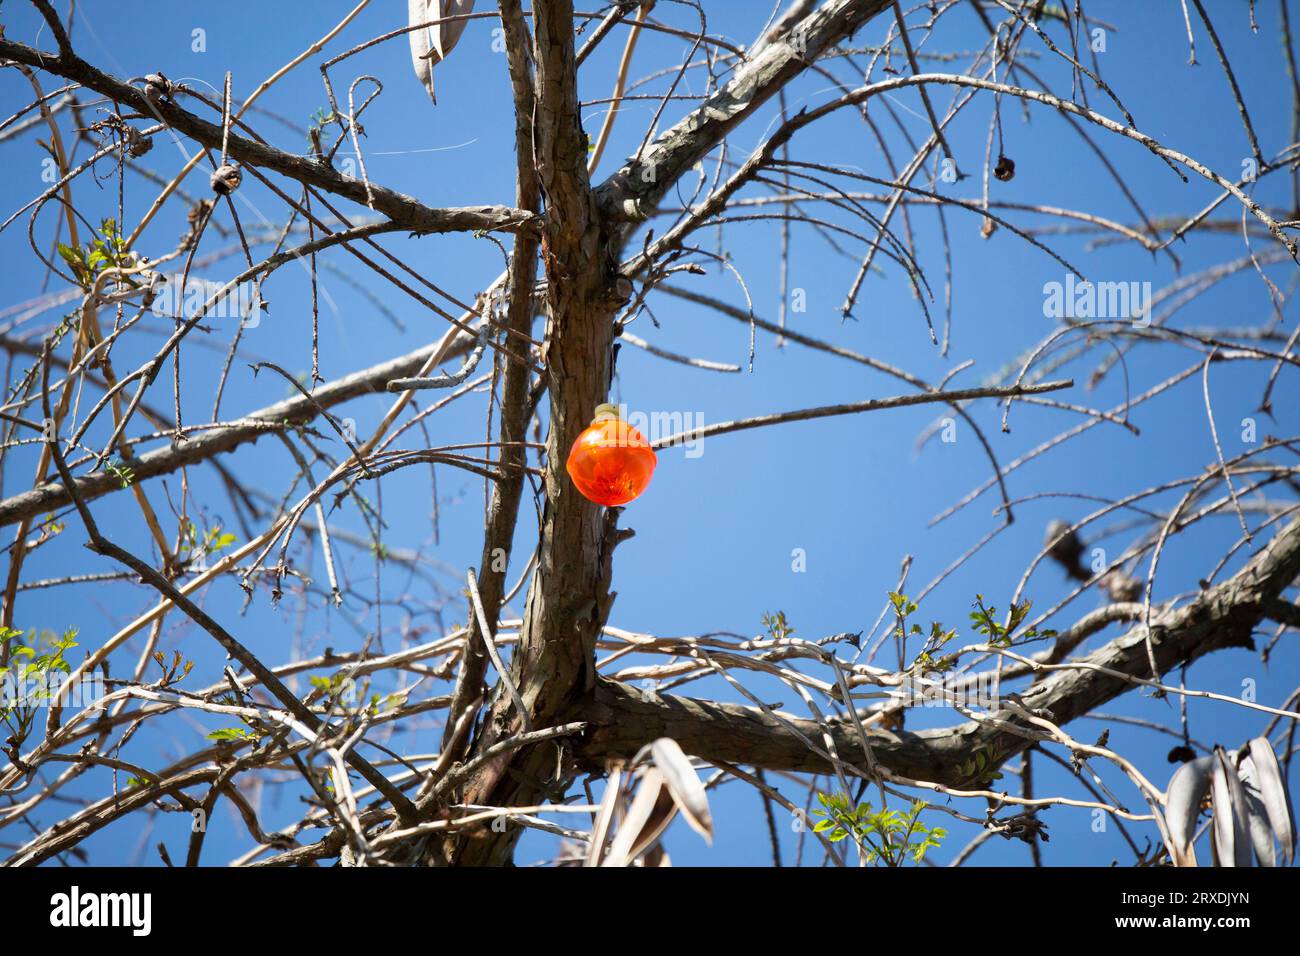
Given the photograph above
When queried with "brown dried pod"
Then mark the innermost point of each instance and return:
(1005, 170)
(1064, 547)
(157, 88)
(198, 211)
(136, 143)
(226, 179)
(1121, 588)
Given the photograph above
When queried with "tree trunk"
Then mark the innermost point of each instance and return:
(567, 600)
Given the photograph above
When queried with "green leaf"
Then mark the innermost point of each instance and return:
(232, 733)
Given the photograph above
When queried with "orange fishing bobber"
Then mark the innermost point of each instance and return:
(610, 462)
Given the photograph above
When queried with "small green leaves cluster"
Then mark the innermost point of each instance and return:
(902, 604)
(938, 636)
(106, 251)
(50, 662)
(333, 687)
(341, 691)
(316, 125)
(210, 542)
(983, 617)
(36, 671)
(119, 470)
(249, 733)
(321, 118)
(233, 734)
(777, 627)
(886, 837)
(979, 768)
(175, 671)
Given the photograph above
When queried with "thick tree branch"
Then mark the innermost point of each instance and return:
(633, 193)
(410, 213)
(621, 719)
(569, 598)
(1284, 612)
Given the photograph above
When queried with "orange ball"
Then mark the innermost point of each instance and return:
(610, 462)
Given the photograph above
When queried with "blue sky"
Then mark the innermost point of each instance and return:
(716, 533)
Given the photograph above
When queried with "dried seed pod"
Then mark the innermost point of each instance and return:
(1005, 170)
(226, 179)
(137, 144)
(431, 44)
(198, 211)
(1064, 547)
(154, 283)
(157, 88)
(1121, 588)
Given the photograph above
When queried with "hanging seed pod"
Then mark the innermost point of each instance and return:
(226, 179)
(1064, 547)
(157, 88)
(1120, 587)
(1005, 170)
(431, 44)
(611, 463)
(198, 211)
(136, 143)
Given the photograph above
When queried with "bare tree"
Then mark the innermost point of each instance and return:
(505, 713)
